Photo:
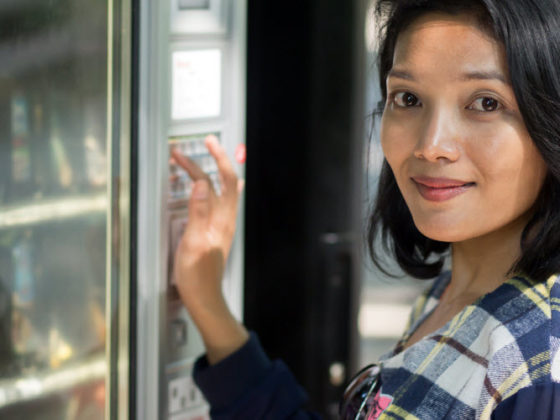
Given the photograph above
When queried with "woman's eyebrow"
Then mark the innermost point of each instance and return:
(484, 75)
(401, 74)
(468, 76)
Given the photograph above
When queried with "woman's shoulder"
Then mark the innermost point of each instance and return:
(522, 332)
(524, 367)
(527, 311)
(526, 308)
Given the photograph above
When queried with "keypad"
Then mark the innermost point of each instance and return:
(180, 184)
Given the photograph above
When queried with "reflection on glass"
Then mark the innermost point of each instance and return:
(53, 200)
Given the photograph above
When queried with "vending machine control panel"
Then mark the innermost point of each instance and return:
(192, 84)
(206, 74)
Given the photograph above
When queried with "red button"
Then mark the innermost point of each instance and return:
(241, 153)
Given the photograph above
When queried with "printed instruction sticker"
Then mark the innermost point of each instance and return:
(196, 84)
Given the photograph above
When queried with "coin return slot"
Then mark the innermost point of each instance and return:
(194, 4)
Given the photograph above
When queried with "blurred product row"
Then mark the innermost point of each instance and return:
(53, 204)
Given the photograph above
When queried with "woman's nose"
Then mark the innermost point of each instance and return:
(438, 138)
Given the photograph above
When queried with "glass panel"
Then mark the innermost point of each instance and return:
(53, 204)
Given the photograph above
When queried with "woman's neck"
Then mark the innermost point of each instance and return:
(480, 265)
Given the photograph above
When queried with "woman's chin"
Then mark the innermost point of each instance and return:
(442, 232)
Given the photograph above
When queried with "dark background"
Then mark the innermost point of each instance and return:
(305, 118)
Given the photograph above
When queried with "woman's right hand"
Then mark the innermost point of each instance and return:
(202, 253)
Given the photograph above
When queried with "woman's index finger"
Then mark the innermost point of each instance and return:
(224, 163)
(194, 171)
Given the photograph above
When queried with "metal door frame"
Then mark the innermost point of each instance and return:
(119, 44)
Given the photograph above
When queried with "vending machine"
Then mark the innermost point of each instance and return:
(93, 96)
(192, 85)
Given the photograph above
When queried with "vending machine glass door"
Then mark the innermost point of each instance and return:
(58, 223)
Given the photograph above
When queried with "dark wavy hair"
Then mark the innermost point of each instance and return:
(529, 30)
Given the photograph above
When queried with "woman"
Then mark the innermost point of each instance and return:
(471, 133)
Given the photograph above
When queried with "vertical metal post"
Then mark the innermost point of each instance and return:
(118, 217)
(151, 251)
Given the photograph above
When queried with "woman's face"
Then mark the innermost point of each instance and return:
(453, 134)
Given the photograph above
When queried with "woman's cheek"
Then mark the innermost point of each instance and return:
(394, 141)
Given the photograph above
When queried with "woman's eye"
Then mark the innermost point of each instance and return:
(486, 104)
(406, 99)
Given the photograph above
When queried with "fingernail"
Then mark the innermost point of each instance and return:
(212, 138)
(201, 190)
(240, 186)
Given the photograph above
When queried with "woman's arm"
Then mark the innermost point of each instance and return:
(236, 377)
(538, 402)
(202, 253)
(248, 385)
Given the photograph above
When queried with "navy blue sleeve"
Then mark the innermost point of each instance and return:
(248, 385)
(538, 402)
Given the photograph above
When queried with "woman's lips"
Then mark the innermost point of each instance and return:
(441, 189)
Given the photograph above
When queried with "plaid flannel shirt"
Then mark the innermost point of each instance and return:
(502, 346)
